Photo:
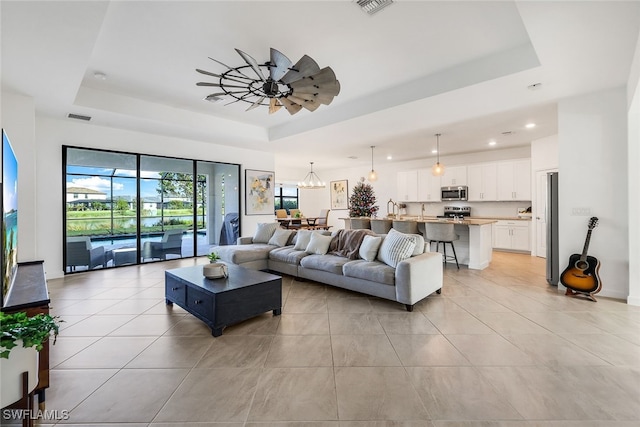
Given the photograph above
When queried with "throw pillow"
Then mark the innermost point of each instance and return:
(319, 244)
(280, 237)
(302, 240)
(396, 247)
(369, 247)
(264, 232)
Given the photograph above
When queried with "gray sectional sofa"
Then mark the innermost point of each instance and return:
(408, 282)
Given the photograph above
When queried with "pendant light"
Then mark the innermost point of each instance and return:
(437, 169)
(373, 176)
(311, 181)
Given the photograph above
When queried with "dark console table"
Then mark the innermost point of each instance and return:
(31, 295)
(223, 302)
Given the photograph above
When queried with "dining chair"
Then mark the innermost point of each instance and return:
(281, 213)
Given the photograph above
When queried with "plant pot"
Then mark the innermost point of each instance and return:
(20, 360)
(215, 270)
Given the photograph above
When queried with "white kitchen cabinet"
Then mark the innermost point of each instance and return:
(455, 175)
(428, 186)
(514, 180)
(511, 235)
(407, 186)
(483, 182)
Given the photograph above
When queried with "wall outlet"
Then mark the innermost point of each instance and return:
(580, 211)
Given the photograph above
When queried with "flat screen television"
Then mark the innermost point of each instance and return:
(9, 206)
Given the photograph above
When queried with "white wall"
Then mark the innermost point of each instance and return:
(18, 121)
(46, 162)
(592, 135)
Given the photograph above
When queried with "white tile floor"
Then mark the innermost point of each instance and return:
(499, 347)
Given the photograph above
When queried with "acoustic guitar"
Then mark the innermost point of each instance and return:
(581, 275)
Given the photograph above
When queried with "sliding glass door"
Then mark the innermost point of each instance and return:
(123, 208)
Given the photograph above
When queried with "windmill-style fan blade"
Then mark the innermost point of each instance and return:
(310, 105)
(252, 63)
(291, 106)
(280, 64)
(274, 105)
(303, 68)
(316, 97)
(226, 77)
(307, 86)
(216, 96)
(219, 85)
(229, 68)
(256, 104)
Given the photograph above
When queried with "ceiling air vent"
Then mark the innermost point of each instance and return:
(373, 6)
(79, 117)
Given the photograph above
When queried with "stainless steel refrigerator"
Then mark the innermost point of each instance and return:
(553, 266)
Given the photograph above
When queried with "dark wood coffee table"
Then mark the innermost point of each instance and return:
(222, 302)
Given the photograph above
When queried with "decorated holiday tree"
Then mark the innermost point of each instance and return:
(362, 201)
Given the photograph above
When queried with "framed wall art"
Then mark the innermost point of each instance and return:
(258, 190)
(339, 194)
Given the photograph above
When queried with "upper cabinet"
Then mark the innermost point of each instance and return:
(483, 182)
(514, 180)
(408, 186)
(455, 175)
(428, 186)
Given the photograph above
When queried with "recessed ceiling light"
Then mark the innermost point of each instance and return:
(492, 143)
(530, 125)
(389, 157)
(434, 151)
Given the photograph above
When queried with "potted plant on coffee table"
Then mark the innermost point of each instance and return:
(21, 338)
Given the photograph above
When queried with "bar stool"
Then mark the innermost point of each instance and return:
(408, 227)
(442, 233)
(360, 223)
(381, 226)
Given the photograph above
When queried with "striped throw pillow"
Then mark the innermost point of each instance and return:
(396, 247)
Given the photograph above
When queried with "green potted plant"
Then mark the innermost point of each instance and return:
(215, 269)
(213, 257)
(21, 338)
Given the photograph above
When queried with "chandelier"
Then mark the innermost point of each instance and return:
(311, 181)
(276, 83)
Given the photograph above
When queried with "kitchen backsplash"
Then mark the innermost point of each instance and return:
(480, 209)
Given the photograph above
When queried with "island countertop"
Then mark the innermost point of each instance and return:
(467, 221)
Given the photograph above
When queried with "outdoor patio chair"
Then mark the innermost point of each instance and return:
(171, 243)
(80, 253)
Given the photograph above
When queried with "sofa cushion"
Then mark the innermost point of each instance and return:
(329, 263)
(373, 271)
(369, 247)
(264, 231)
(287, 254)
(280, 237)
(396, 247)
(318, 244)
(238, 254)
(302, 239)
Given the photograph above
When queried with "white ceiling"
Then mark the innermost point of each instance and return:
(415, 69)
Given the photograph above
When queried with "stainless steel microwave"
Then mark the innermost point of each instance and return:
(453, 193)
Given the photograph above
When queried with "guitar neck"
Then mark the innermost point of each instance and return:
(585, 249)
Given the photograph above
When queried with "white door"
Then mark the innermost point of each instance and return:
(541, 214)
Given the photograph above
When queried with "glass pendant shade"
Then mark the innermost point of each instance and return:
(373, 176)
(438, 168)
(311, 181)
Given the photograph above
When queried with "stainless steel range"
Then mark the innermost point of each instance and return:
(456, 212)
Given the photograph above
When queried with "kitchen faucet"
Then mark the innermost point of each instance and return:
(422, 209)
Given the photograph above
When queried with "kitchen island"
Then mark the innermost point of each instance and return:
(474, 247)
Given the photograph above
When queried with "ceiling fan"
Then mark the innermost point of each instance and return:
(276, 83)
